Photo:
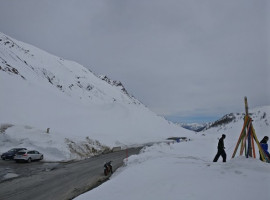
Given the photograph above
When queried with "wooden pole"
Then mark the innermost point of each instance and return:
(261, 151)
(243, 145)
(243, 132)
(246, 106)
(249, 147)
(252, 140)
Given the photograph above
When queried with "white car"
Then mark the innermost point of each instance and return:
(28, 155)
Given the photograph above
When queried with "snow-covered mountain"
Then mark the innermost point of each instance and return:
(260, 115)
(193, 126)
(84, 113)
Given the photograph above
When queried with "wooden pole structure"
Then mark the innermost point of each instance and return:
(242, 135)
(247, 137)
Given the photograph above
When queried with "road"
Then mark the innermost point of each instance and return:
(64, 181)
(9, 168)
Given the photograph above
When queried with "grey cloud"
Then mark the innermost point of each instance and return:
(183, 57)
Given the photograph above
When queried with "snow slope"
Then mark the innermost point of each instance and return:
(185, 170)
(83, 111)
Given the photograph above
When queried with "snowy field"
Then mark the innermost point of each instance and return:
(185, 171)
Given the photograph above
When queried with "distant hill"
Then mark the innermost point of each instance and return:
(193, 126)
(257, 114)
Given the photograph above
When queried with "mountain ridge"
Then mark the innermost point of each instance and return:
(258, 113)
(21, 65)
(44, 91)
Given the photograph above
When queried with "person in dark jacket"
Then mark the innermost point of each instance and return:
(264, 146)
(221, 149)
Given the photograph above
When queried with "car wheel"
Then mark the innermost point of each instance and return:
(41, 157)
(29, 160)
(3, 158)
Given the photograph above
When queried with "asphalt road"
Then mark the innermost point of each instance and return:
(9, 168)
(59, 181)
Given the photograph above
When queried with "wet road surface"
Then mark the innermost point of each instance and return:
(57, 181)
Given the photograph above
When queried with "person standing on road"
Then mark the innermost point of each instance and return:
(221, 149)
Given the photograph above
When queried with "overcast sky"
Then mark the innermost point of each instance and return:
(184, 59)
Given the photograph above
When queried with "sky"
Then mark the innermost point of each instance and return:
(187, 60)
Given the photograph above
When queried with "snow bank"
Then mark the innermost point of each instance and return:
(177, 172)
(185, 170)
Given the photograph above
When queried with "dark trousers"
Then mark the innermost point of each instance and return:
(221, 152)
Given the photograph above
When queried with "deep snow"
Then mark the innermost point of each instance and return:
(178, 172)
(185, 170)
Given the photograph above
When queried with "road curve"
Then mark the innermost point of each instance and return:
(66, 182)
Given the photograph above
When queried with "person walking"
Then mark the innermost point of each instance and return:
(221, 149)
(264, 146)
